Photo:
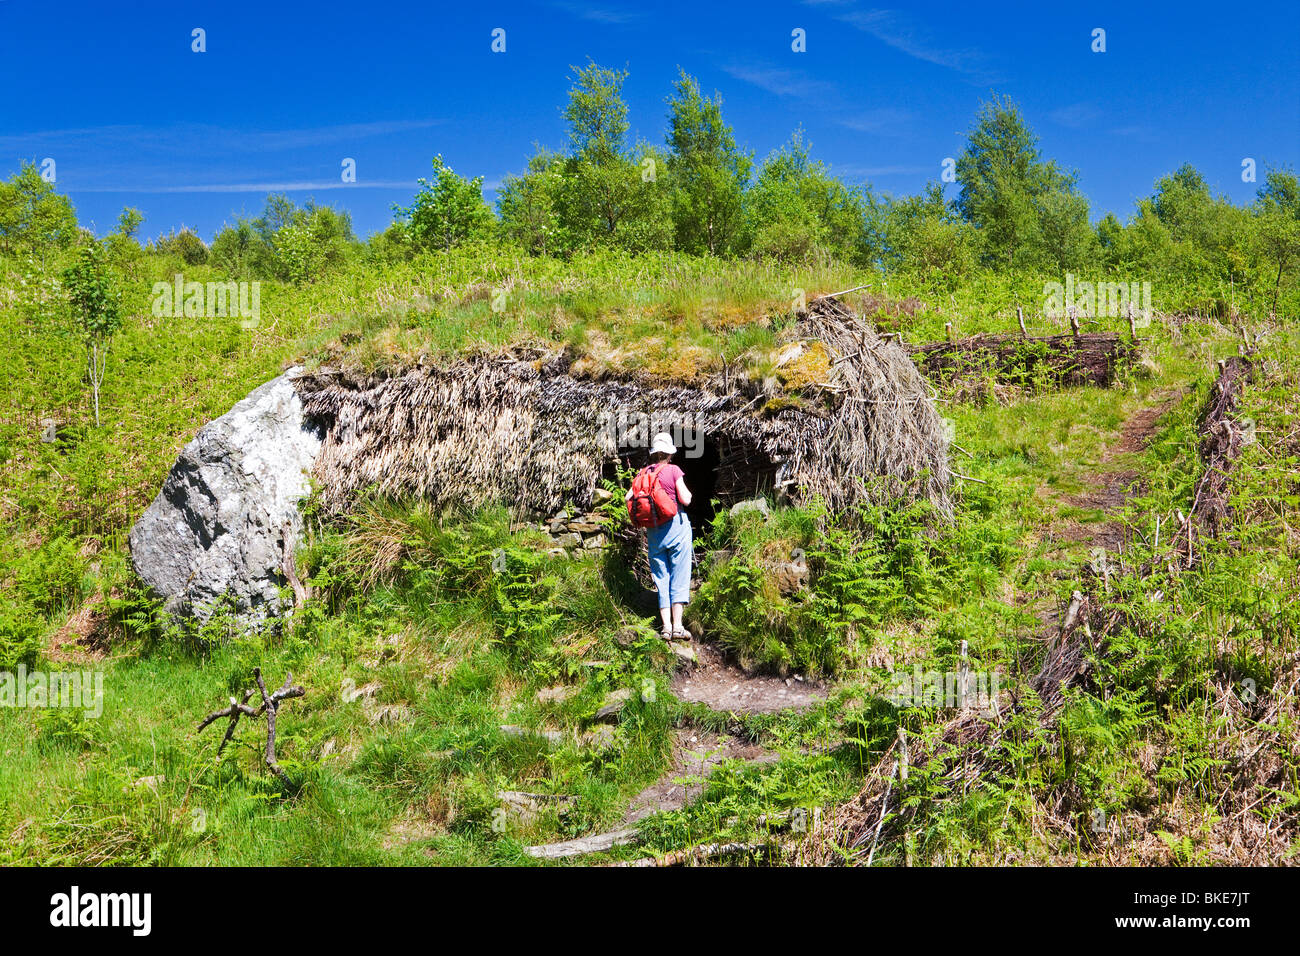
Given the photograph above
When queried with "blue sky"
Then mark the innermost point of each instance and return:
(287, 90)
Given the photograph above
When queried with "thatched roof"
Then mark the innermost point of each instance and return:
(521, 429)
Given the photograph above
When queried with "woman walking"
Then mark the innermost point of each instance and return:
(655, 501)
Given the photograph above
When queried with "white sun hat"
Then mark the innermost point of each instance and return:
(663, 443)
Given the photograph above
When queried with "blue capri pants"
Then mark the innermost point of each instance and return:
(671, 554)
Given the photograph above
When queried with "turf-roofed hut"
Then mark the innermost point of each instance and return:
(529, 429)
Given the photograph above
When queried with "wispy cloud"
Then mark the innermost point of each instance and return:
(268, 187)
(823, 95)
(789, 83)
(185, 137)
(602, 14)
(869, 172)
(177, 158)
(1075, 116)
(1144, 133)
(897, 30)
(885, 120)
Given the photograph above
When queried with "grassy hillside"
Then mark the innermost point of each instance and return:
(431, 632)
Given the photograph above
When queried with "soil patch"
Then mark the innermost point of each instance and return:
(83, 638)
(724, 687)
(1109, 487)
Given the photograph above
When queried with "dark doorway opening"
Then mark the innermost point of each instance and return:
(700, 472)
(719, 470)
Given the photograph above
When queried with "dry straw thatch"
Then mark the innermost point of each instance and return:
(520, 429)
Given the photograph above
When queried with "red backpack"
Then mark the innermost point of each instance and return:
(650, 505)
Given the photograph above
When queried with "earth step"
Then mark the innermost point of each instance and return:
(724, 687)
(696, 754)
(600, 737)
(685, 652)
(526, 806)
(352, 693)
(553, 736)
(698, 854)
(592, 844)
(556, 695)
(613, 704)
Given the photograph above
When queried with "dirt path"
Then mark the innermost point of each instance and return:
(724, 687)
(1112, 483)
(1107, 489)
(695, 754)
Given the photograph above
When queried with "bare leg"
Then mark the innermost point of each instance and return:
(677, 618)
(666, 615)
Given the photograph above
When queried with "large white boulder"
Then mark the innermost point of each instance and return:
(217, 532)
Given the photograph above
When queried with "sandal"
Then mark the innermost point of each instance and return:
(681, 634)
(668, 634)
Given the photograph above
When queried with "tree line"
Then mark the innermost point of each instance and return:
(700, 193)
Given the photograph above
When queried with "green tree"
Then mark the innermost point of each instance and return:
(1068, 240)
(33, 217)
(1277, 211)
(129, 222)
(597, 115)
(95, 298)
(1027, 210)
(610, 195)
(240, 252)
(1281, 191)
(709, 173)
(797, 207)
(924, 235)
(1112, 242)
(316, 239)
(1201, 242)
(529, 206)
(1182, 201)
(124, 249)
(280, 211)
(184, 244)
(447, 210)
(288, 242)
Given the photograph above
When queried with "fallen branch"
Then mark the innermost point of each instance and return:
(236, 710)
(836, 295)
(699, 854)
(270, 706)
(583, 845)
(884, 806)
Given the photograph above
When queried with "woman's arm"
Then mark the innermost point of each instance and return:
(683, 493)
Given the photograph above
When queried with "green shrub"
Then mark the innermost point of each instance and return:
(20, 633)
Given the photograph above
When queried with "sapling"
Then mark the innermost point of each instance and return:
(97, 307)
